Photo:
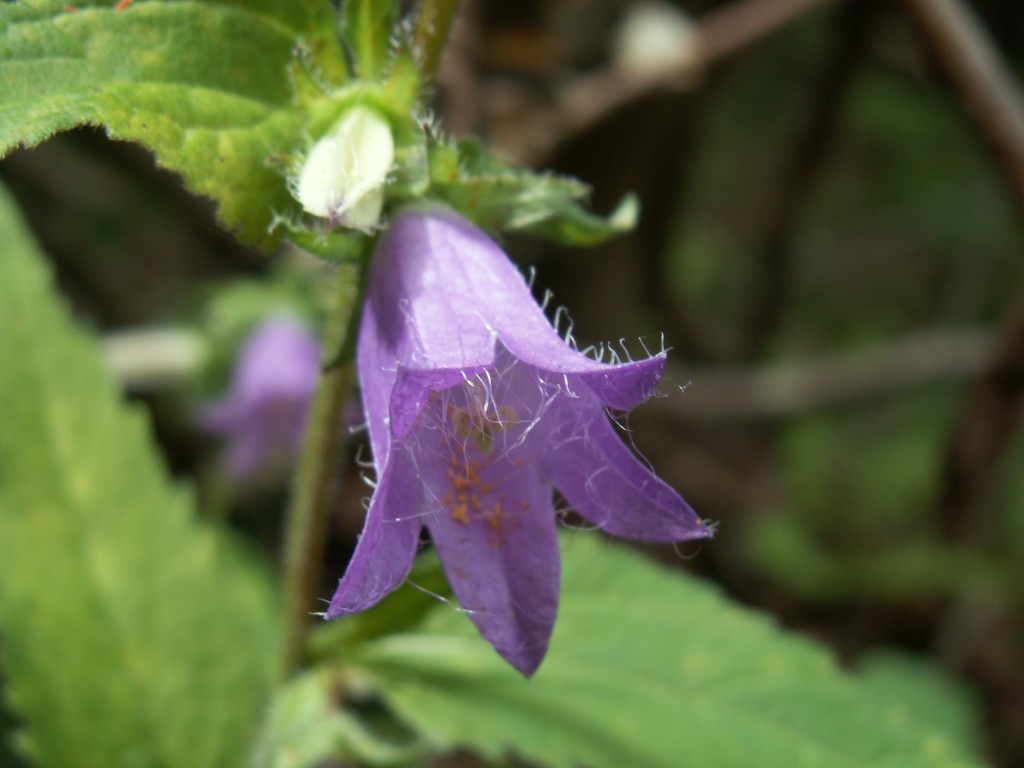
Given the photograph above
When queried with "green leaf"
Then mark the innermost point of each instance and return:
(934, 697)
(647, 668)
(307, 729)
(216, 90)
(130, 635)
(498, 198)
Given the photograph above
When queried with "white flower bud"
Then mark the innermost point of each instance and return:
(343, 176)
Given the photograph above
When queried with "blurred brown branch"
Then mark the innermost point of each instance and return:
(804, 167)
(982, 435)
(147, 359)
(784, 389)
(984, 81)
(592, 97)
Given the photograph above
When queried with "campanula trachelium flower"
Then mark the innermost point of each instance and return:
(263, 416)
(477, 410)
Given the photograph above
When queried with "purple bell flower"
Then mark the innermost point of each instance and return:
(477, 410)
(263, 417)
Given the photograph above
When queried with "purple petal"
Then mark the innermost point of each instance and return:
(413, 387)
(222, 417)
(248, 453)
(503, 566)
(456, 293)
(421, 309)
(606, 484)
(476, 452)
(387, 545)
(377, 373)
(625, 386)
(281, 359)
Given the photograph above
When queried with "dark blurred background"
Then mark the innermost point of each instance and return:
(831, 243)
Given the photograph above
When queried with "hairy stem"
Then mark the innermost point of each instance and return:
(432, 28)
(315, 484)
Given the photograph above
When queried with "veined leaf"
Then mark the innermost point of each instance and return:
(130, 635)
(647, 668)
(214, 89)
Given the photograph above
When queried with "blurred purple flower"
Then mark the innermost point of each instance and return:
(263, 416)
(476, 410)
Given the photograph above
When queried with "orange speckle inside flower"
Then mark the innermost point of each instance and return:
(459, 514)
(468, 437)
(495, 516)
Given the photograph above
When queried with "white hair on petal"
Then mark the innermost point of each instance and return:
(584, 527)
(450, 603)
(699, 543)
(644, 345)
(548, 295)
(362, 462)
(531, 276)
(562, 315)
(625, 350)
(621, 420)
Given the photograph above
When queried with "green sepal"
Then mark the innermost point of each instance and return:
(495, 197)
(339, 246)
(367, 28)
(394, 98)
(575, 225)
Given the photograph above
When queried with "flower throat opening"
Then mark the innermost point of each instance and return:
(476, 430)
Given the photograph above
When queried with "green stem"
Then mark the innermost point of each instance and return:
(432, 28)
(319, 466)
